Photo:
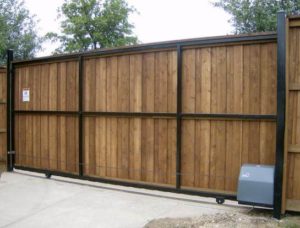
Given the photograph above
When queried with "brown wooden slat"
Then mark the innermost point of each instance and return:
(294, 148)
(294, 86)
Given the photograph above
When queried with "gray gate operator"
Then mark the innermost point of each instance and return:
(256, 185)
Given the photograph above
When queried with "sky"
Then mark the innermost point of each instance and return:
(156, 20)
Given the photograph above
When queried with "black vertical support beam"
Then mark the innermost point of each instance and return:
(178, 116)
(281, 98)
(9, 106)
(80, 124)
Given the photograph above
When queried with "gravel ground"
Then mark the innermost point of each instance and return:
(255, 218)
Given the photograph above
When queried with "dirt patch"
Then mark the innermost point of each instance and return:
(249, 220)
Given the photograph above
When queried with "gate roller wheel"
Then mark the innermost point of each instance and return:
(220, 200)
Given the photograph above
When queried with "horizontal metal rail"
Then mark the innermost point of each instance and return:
(129, 183)
(45, 112)
(228, 116)
(161, 45)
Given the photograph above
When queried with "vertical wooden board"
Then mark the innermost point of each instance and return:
(268, 79)
(44, 77)
(254, 142)
(202, 128)
(218, 128)
(188, 81)
(161, 142)
(202, 144)
(36, 149)
(161, 105)
(17, 93)
(188, 150)
(87, 78)
(148, 150)
(148, 82)
(17, 141)
(267, 143)
(29, 140)
(290, 175)
(254, 79)
(123, 123)
(114, 147)
(238, 73)
(112, 84)
(92, 145)
(123, 84)
(293, 55)
(246, 103)
(161, 82)
(112, 106)
(61, 143)
(23, 84)
(70, 145)
(171, 152)
(221, 155)
(101, 148)
(123, 148)
(86, 146)
(236, 154)
(53, 119)
(29, 80)
(92, 81)
(135, 156)
(62, 87)
(101, 88)
(135, 123)
(230, 89)
(296, 184)
(172, 81)
(53, 87)
(136, 83)
(203, 80)
(45, 142)
(53, 137)
(36, 85)
(72, 84)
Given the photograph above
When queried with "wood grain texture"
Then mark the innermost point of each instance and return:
(293, 121)
(3, 135)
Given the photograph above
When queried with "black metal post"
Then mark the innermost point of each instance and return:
(281, 96)
(9, 106)
(80, 124)
(178, 116)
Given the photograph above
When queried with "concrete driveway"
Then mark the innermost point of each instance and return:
(30, 200)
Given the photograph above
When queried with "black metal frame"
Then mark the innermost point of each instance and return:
(9, 112)
(80, 108)
(263, 37)
(130, 183)
(179, 46)
(178, 117)
(281, 99)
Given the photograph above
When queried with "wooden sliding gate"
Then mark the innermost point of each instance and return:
(176, 116)
(3, 137)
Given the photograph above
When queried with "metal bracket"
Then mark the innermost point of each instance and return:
(11, 152)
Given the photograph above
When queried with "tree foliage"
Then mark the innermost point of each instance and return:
(91, 24)
(17, 31)
(256, 15)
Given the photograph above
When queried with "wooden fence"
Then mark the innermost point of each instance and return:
(3, 150)
(181, 115)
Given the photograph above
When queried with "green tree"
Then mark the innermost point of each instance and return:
(256, 15)
(92, 24)
(17, 31)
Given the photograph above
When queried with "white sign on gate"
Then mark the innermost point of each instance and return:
(26, 95)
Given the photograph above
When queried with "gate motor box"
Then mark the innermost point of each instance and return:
(256, 185)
